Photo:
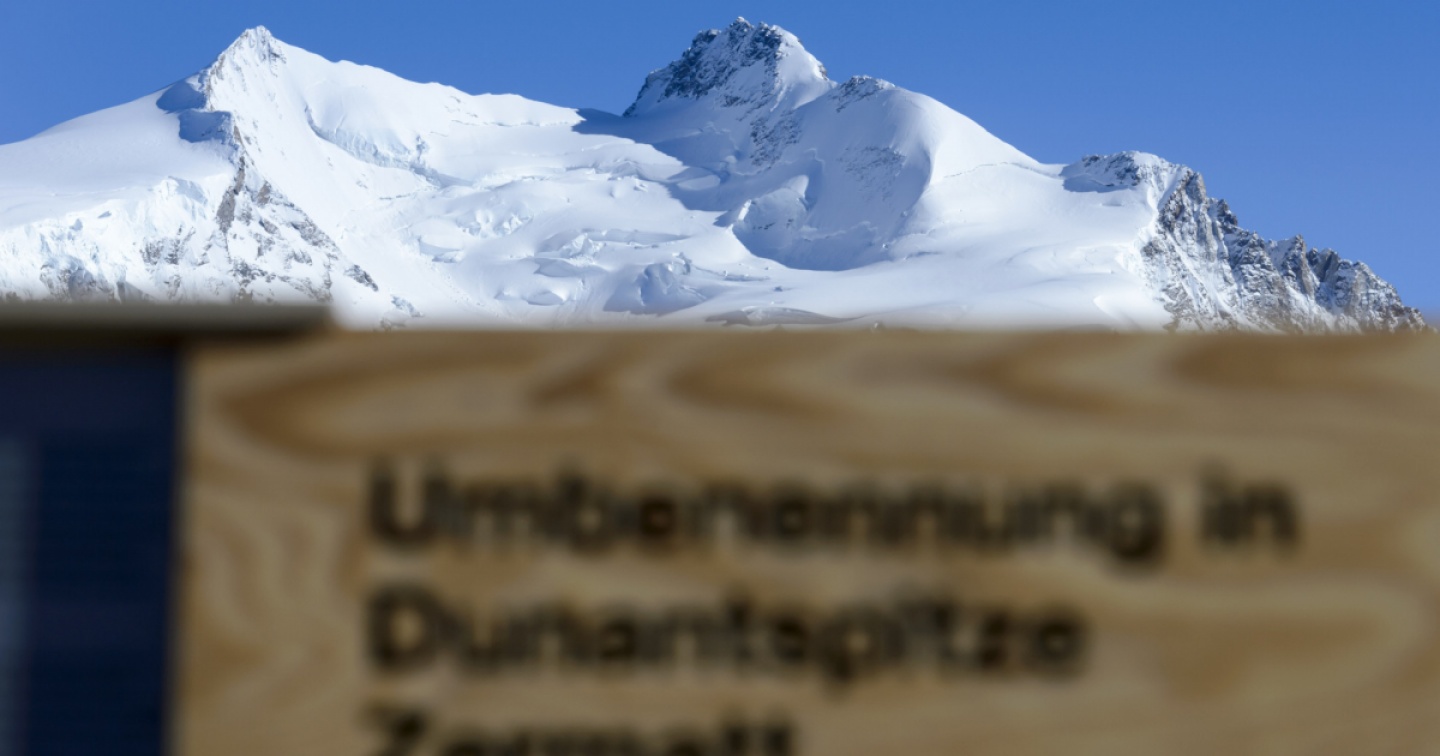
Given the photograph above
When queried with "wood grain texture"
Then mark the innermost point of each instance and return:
(1332, 648)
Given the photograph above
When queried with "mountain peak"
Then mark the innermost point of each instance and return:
(257, 34)
(255, 45)
(747, 64)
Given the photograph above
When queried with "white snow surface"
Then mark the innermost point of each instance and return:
(743, 187)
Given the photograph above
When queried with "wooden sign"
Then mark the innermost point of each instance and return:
(764, 544)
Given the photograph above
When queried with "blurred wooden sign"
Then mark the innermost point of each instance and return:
(732, 544)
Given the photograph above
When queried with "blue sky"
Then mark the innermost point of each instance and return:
(1310, 117)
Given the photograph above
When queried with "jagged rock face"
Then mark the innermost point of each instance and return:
(743, 187)
(1211, 273)
(745, 67)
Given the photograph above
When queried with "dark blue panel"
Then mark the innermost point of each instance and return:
(15, 505)
(97, 432)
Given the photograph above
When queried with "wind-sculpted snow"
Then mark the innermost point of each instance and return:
(742, 188)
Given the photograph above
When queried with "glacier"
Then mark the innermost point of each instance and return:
(743, 187)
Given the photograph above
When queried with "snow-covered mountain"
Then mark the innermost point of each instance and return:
(743, 186)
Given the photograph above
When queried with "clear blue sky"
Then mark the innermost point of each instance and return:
(1312, 117)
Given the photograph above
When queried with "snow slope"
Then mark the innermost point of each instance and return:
(743, 186)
